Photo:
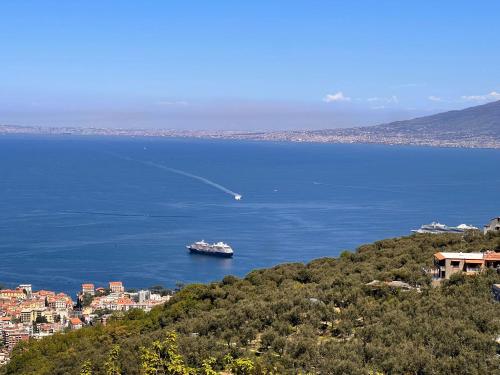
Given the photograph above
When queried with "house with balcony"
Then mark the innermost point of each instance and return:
(446, 264)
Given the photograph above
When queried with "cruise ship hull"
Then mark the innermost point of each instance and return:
(212, 253)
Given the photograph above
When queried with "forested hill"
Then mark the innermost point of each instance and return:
(319, 318)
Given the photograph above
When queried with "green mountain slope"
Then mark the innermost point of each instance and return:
(319, 318)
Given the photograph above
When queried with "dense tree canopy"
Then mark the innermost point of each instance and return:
(319, 318)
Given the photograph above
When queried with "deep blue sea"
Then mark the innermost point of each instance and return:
(76, 210)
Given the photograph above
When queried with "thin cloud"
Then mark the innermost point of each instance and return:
(392, 99)
(337, 97)
(168, 103)
(482, 98)
(433, 98)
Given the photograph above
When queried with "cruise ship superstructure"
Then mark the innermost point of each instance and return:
(219, 249)
(437, 228)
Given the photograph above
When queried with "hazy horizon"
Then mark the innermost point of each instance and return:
(240, 117)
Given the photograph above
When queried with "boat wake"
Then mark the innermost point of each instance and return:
(117, 214)
(185, 174)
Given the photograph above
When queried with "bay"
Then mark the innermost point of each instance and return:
(76, 209)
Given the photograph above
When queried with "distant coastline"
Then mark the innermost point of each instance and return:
(361, 135)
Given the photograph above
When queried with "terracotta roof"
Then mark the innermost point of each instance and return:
(87, 285)
(75, 321)
(474, 261)
(45, 293)
(439, 256)
(492, 256)
(116, 283)
(124, 301)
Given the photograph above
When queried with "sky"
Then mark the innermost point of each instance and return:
(252, 65)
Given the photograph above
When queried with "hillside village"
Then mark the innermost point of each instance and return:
(26, 314)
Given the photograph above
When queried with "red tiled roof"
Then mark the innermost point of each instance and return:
(439, 256)
(45, 293)
(124, 301)
(492, 256)
(75, 321)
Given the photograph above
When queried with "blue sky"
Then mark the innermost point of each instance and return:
(253, 64)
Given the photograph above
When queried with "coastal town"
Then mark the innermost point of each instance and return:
(379, 134)
(27, 314)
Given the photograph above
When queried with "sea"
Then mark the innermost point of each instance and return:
(87, 209)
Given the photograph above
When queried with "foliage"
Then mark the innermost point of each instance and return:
(207, 367)
(161, 290)
(163, 358)
(86, 368)
(85, 300)
(242, 366)
(111, 365)
(319, 318)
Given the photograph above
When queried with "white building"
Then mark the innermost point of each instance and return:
(493, 226)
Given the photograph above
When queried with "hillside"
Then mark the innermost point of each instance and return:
(477, 126)
(482, 120)
(319, 318)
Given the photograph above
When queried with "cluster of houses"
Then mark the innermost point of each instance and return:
(97, 300)
(26, 314)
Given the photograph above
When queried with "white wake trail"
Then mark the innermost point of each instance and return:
(186, 174)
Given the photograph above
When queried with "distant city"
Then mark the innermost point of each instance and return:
(362, 135)
(473, 127)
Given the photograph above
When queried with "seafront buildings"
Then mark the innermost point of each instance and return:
(26, 314)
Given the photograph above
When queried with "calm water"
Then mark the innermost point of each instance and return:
(75, 210)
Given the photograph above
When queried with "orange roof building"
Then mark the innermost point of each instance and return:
(75, 323)
(88, 289)
(116, 286)
(471, 263)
